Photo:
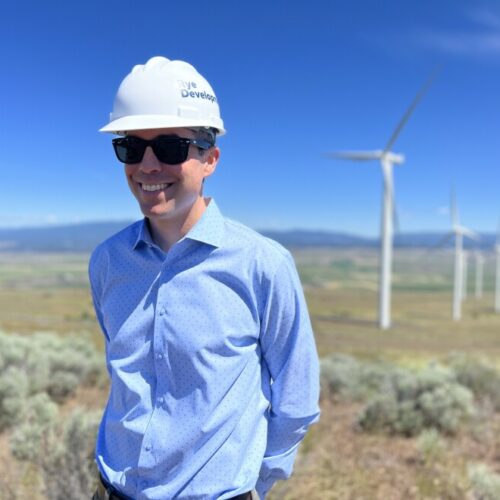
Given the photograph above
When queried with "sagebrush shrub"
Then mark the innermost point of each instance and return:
(12, 350)
(68, 466)
(338, 374)
(43, 363)
(485, 483)
(349, 378)
(62, 450)
(40, 416)
(414, 401)
(14, 390)
(479, 375)
(431, 446)
(36, 372)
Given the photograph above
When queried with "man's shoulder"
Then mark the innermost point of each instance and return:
(260, 246)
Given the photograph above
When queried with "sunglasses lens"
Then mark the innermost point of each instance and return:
(171, 150)
(129, 149)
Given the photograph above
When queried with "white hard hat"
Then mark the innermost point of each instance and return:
(163, 94)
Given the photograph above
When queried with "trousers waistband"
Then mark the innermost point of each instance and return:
(107, 492)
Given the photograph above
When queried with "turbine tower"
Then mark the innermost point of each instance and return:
(479, 274)
(387, 160)
(459, 231)
(465, 256)
(497, 275)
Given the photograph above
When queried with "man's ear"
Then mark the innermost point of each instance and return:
(211, 161)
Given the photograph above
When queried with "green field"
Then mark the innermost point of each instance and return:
(49, 292)
(46, 292)
(341, 290)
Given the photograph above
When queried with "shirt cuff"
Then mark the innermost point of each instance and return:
(274, 468)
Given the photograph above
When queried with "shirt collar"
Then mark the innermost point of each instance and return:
(208, 229)
(144, 235)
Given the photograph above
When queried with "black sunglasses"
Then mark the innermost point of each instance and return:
(169, 149)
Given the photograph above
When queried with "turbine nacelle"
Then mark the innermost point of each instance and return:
(394, 158)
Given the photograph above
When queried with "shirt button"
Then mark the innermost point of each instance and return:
(160, 400)
(147, 447)
(159, 356)
(162, 311)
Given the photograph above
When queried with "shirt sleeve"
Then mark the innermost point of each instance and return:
(289, 350)
(95, 290)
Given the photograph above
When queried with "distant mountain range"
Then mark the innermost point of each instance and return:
(84, 237)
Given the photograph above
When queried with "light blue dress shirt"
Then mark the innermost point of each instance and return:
(211, 356)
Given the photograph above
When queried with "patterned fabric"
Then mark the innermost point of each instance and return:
(213, 367)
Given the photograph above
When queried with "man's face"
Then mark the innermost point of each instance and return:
(169, 192)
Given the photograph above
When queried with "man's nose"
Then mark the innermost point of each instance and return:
(149, 161)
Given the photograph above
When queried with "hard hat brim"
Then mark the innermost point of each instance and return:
(147, 122)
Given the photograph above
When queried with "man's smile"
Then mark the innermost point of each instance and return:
(155, 187)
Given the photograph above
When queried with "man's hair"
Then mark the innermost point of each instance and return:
(206, 134)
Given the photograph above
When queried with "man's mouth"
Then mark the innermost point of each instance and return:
(155, 187)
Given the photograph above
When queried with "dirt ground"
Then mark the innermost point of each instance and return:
(337, 461)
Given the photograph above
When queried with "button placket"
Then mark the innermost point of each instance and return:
(160, 346)
(159, 355)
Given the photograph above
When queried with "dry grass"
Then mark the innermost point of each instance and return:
(346, 321)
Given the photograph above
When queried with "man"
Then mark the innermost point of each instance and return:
(209, 348)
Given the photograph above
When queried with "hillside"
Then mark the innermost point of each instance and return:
(84, 237)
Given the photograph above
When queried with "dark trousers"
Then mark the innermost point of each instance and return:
(106, 492)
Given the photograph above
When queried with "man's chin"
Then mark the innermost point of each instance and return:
(178, 212)
(160, 214)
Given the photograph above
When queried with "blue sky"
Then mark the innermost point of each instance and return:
(294, 80)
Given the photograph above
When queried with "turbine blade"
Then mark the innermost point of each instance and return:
(356, 155)
(395, 215)
(411, 108)
(440, 243)
(470, 234)
(455, 219)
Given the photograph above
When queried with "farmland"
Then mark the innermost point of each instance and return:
(49, 293)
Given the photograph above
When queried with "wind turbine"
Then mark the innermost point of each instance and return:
(387, 160)
(459, 231)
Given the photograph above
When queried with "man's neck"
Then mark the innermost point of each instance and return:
(166, 232)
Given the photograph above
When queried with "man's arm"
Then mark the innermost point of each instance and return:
(289, 351)
(95, 274)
